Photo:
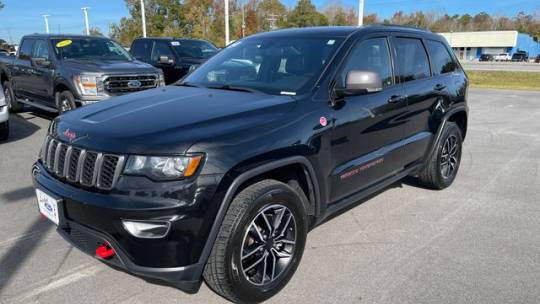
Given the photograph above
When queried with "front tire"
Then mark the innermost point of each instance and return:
(65, 102)
(442, 167)
(260, 243)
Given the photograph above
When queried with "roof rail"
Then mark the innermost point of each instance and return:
(404, 26)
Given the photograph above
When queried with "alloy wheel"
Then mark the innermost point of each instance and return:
(449, 157)
(268, 245)
(65, 105)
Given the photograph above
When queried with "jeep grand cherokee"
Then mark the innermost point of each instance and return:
(222, 175)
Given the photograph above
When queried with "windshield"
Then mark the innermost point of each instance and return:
(284, 66)
(90, 49)
(194, 49)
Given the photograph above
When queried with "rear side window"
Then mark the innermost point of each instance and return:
(25, 52)
(161, 48)
(440, 58)
(411, 60)
(370, 55)
(141, 49)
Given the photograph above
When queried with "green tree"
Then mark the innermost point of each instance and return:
(271, 15)
(305, 14)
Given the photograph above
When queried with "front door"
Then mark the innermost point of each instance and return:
(42, 75)
(366, 140)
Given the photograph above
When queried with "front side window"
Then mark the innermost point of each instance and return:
(41, 50)
(411, 60)
(288, 65)
(89, 49)
(441, 59)
(370, 55)
(194, 49)
(141, 49)
(25, 52)
(161, 48)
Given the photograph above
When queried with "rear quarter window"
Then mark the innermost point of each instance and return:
(440, 57)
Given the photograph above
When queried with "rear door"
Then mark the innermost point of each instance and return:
(369, 128)
(21, 71)
(42, 76)
(413, 71)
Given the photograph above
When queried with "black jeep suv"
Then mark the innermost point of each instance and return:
(221, 176)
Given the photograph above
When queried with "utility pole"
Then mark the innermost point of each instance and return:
(87, 27)
(243, 21)
(227, 41)
(46, 17)
(143, 18)
(360, 12)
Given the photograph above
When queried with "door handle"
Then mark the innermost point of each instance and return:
(439, 87)
(396, 98)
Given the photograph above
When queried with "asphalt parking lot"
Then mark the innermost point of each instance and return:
(476, 242)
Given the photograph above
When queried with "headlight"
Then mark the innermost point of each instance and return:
(88, 84)
(161, 81)
(163, 167)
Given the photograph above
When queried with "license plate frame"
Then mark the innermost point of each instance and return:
(48, 206)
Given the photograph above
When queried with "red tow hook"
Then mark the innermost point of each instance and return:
(105, 251)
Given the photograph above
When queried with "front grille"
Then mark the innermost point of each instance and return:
(120, 84)
(80, 166)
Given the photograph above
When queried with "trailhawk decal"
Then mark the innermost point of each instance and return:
(361, 168)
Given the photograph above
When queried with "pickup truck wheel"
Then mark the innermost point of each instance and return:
(442, 168)
(4, 130)
(260, 243)
(13, 105)
(66, 102)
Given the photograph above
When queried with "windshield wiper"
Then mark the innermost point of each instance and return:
(228, 87)
(188, 84)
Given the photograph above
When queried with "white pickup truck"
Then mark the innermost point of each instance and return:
(502, 57)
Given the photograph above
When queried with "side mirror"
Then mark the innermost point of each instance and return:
(42, 62)
(165, 60)
(192, 68)
(360, 82)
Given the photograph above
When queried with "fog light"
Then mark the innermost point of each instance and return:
(147, 229)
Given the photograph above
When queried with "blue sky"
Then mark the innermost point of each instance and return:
(20, 17)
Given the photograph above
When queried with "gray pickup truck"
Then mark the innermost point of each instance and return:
(58, 73)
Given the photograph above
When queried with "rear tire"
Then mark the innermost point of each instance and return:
(260, 243)
(442, 167)
(65, 102)
(13, 105)
(4, 130)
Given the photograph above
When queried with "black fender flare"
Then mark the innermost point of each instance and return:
(239, 180)
(66, 83)
(442, 125)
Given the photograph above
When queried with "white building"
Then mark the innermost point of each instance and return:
(470, 45)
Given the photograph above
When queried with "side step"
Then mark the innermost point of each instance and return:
(38, 105)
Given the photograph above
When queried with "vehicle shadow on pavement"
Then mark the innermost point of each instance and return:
(21, 250)
(18, 195)
(20, 127)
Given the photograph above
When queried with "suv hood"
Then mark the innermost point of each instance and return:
(168, 120)
(108, 66)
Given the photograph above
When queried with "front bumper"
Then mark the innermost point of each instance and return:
(89, 219)
(4, 113)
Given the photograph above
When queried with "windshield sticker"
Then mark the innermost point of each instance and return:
(175, 43)
(64, 43)
(288, 93)
(331, 42)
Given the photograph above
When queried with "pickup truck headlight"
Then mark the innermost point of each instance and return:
(161, 80)
(88, 84)
(163, 167)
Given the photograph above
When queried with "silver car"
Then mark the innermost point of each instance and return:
(4, 116)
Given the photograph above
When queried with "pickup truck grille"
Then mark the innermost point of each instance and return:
(81, 167)
(126, 84)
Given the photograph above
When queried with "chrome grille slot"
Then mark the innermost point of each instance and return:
(120, 84)
(81, 167)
